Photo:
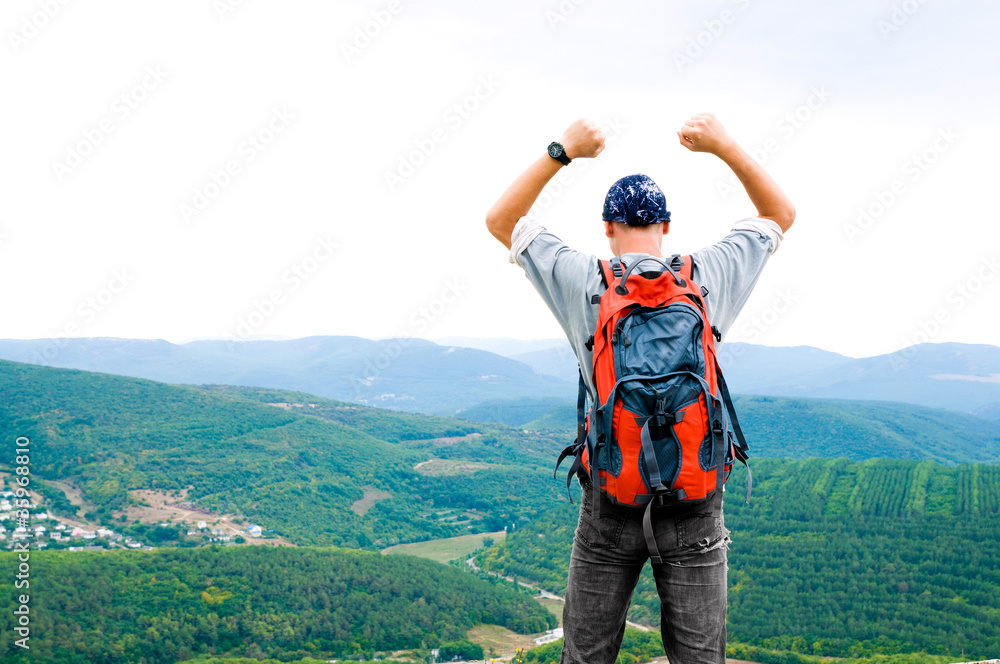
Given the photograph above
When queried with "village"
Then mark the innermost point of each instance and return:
(43, 530)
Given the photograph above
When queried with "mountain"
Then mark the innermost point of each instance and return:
(750, 367)
(316, 471)
(321, 471)
(803, 428)
(407, 374)
(516, 413)
(959, 377)
(503, 345)
(421, 376)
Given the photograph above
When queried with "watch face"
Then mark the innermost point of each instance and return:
(555, 150)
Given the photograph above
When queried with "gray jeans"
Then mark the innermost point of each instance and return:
(609, 553)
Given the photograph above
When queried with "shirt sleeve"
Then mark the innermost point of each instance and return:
(729, 269)
(565, 279)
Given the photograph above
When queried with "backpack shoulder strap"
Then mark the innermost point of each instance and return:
(610, 270)
(607, 271)
(683, 265)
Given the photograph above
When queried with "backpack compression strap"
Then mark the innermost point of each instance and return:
(607, 272)
(741, 448)
(576, 449)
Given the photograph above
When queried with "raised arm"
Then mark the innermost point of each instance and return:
(704, 133)
(582, 140)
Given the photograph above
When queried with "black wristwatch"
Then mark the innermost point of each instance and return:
(558, 152)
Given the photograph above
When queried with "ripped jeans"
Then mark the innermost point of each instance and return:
(609, 553)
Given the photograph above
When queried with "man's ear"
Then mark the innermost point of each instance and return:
(609, 229)
(666, 227)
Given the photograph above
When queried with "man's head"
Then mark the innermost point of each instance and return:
(635, 215)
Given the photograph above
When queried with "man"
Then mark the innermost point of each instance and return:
(609, 549)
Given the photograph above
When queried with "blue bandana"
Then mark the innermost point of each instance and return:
(637, 201)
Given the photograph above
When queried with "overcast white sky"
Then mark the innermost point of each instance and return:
(116, 112)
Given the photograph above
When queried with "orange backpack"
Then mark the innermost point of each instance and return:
(663, 425)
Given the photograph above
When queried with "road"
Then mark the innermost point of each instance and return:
(542, 593)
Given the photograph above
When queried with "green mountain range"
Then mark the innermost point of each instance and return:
(803, 428)
(848, 557)
(296, 468)
(300, 464)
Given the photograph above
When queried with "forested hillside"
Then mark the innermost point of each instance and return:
(299, 463)
(803, 428)
(835, 558)
(165, 606)
(294, 472)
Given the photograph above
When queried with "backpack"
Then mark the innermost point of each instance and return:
(663, 428)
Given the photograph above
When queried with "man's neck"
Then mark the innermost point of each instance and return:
(640, 246)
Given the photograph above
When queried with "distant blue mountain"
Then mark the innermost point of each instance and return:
(404, 374)
(422, 376)
(959, 377)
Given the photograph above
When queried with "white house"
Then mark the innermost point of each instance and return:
(550, 636)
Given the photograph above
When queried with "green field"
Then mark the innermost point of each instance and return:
(446, 549)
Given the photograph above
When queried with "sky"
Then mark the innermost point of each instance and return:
(255, 168)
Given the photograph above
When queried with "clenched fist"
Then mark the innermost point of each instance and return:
(704, 133)
(583, 139)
